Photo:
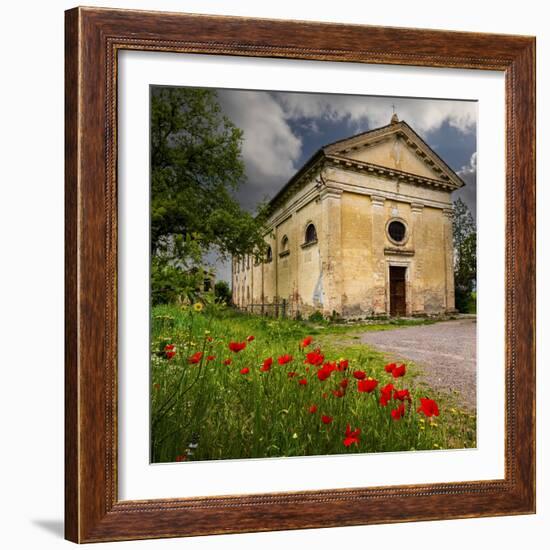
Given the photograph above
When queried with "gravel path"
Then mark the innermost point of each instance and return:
(445, 351)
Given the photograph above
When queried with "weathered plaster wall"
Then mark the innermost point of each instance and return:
(347, 270)
(394, 153)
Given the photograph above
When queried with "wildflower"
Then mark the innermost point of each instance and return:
(291, 374)
(351, 436)
(294, 435)
(326, 419)
(306, 341)
(284, 359)
(367, 385)
(302, 381)
(156, 386)
(227, 361)
(267, 364)
(399, 371)
(401, 395)
(198, 307)
(250, 338)
(398, 413)
(237, 346)
(211, 358)
(314, 358)
(428, 407)
(338, 393)
(323, 374)
(385, 394)
(313, 409)
(324, 395)
(344, 383)
(389, 367)
(181, 458)
(343, 364)
(170, 350)
(209, 339)
(244, 370)
(195, 358)
(359, 375)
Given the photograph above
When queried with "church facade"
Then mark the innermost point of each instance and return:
(363, 229)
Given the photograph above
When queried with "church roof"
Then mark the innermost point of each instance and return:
(338, 153)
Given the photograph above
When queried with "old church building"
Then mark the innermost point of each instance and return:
(364, 228)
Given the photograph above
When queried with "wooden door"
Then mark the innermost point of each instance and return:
(397, 291)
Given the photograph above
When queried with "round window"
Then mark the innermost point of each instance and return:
(397, 231)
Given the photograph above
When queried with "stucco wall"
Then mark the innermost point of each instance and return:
(347, 270)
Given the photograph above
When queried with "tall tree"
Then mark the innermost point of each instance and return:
(465, 254)
(196, 167)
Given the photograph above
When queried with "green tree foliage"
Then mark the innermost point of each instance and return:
(196, 166)
(222, 292)
(465, 255)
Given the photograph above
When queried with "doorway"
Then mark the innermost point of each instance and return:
(398, 300)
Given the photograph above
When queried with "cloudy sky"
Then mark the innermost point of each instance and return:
(282, 130)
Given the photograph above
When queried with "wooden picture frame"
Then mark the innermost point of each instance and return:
(93, 39)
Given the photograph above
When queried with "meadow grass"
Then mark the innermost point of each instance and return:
(205, 409)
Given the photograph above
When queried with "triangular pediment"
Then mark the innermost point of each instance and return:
(396, 147)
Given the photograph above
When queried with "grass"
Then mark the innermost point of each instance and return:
(209, 410)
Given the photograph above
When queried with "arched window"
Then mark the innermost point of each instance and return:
(268, 255)
(311, 234)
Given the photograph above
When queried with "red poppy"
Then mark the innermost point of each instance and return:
(385, 394)
(170, 350)
(313, 409)
(291, 374)
(237, 346)
(211, 358)
(227, 361)
(195, 358)
(314, 358)
(338, 393)
(367, 385)
(324, 395)
(326, 419)
(267, 364)
(399, 371)
(323, 374)
(250, 338)
(401, 395)
(352, 436)
(344, 383)
(389, 367)
(398, 413)
(330, 366)
(302, 381)
(244, 370)
(343, 364)
(209, 339)
(284, 359)
(359, 374)
(428, 407)
(156, 386)
(306, 341)
(181, 458)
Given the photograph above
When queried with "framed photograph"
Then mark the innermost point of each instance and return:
(300, 275)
